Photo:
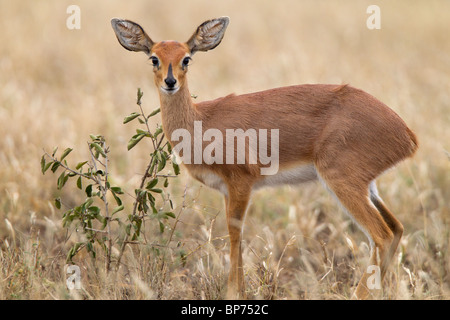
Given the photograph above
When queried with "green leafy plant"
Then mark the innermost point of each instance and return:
(103, 224)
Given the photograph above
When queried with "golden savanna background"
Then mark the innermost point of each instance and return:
(58, 86)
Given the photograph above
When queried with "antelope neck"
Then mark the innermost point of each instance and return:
(177, 111)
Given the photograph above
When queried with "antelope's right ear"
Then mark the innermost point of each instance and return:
(131, 35)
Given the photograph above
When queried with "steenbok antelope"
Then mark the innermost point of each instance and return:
(337, 134)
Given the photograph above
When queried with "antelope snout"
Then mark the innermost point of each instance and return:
(170, 82)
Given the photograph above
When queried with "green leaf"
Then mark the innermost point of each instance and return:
(158, 131)
(55, 166)
(72, 252)
(80, 164)
(170, 214)
(62, 180)
(118, 201)
(95, 211)
(142, 194)
(104, 222)
(154, 112)
(154, 210)
(176, 168)
(139, 96)
(43, 164)
(156, 190)
(137, 228)
(94, 137)
(65, 153)
(99, 217)
(137, 191)
(162, 162)
(54, 151)
(88, 202)
(89, 190)
(48, 165)
(117, 209)
(134, 141)
(152, 183)
(68, 217)
(161, 227)
(58, 203)
(117, 190)
(143, 132)
(98, 148)
(79, 185)
(157, 155)
(131, 117)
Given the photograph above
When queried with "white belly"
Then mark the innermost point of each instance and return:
(211, 180)
(296, 175)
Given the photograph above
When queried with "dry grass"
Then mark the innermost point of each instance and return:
(57, 86)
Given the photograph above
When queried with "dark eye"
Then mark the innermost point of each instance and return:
(155, 61)
(185, 61)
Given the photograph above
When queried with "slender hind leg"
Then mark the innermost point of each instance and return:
(352, 191)
(392, 222)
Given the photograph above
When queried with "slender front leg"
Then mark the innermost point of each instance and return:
(236, 206)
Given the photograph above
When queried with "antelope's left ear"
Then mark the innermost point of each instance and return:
(208, 35)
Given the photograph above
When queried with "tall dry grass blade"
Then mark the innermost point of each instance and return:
(11, 230)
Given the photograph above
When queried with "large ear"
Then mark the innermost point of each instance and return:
(131, 35)
(208, 35)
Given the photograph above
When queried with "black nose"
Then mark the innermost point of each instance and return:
(170, 81)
